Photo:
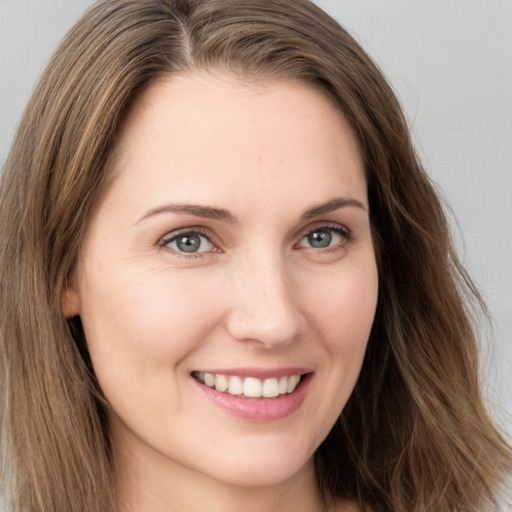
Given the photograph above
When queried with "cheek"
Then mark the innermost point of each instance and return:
(139, 330)
(344, 312)
(342, 318)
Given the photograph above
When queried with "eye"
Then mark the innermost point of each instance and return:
(189, 242)
(324, 237)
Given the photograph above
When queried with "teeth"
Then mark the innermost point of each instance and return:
(221, 382)
(270, 388)
(209, 380)
(250, 386)
(283, 385)
(292, 383)
(236, 386)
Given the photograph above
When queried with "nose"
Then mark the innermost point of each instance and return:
(263, 306)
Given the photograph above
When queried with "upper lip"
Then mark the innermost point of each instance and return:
(259, 373)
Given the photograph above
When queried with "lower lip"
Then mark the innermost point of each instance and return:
(259, 409)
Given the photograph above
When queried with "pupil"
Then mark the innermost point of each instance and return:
(320, 239)
(189, 243)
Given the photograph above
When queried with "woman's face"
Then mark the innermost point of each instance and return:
(230, 257)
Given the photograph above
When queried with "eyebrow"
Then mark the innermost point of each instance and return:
(333, 205)
(209, 212)
(205, 212)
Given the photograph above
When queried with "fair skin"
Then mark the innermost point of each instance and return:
(232, 244)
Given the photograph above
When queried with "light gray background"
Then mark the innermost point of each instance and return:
(450, 63)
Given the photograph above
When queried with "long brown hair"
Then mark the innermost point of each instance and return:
(415, 434)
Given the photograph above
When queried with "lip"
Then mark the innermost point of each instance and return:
(259, 409)
(260, 373)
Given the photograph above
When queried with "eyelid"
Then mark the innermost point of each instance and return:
(341, 230)
(198, 230)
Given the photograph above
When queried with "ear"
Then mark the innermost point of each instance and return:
(70, 296)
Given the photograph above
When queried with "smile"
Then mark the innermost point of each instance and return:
(250, 387)
(256, 394)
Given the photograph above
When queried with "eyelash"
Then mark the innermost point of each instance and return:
(341, 231)
(164, 242)
(168, 239)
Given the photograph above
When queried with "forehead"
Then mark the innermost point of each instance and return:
(200, 128)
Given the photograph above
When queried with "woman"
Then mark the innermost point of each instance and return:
(226, 280)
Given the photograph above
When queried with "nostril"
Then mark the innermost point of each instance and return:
(263, 307)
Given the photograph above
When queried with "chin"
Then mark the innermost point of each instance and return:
(263, 467)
